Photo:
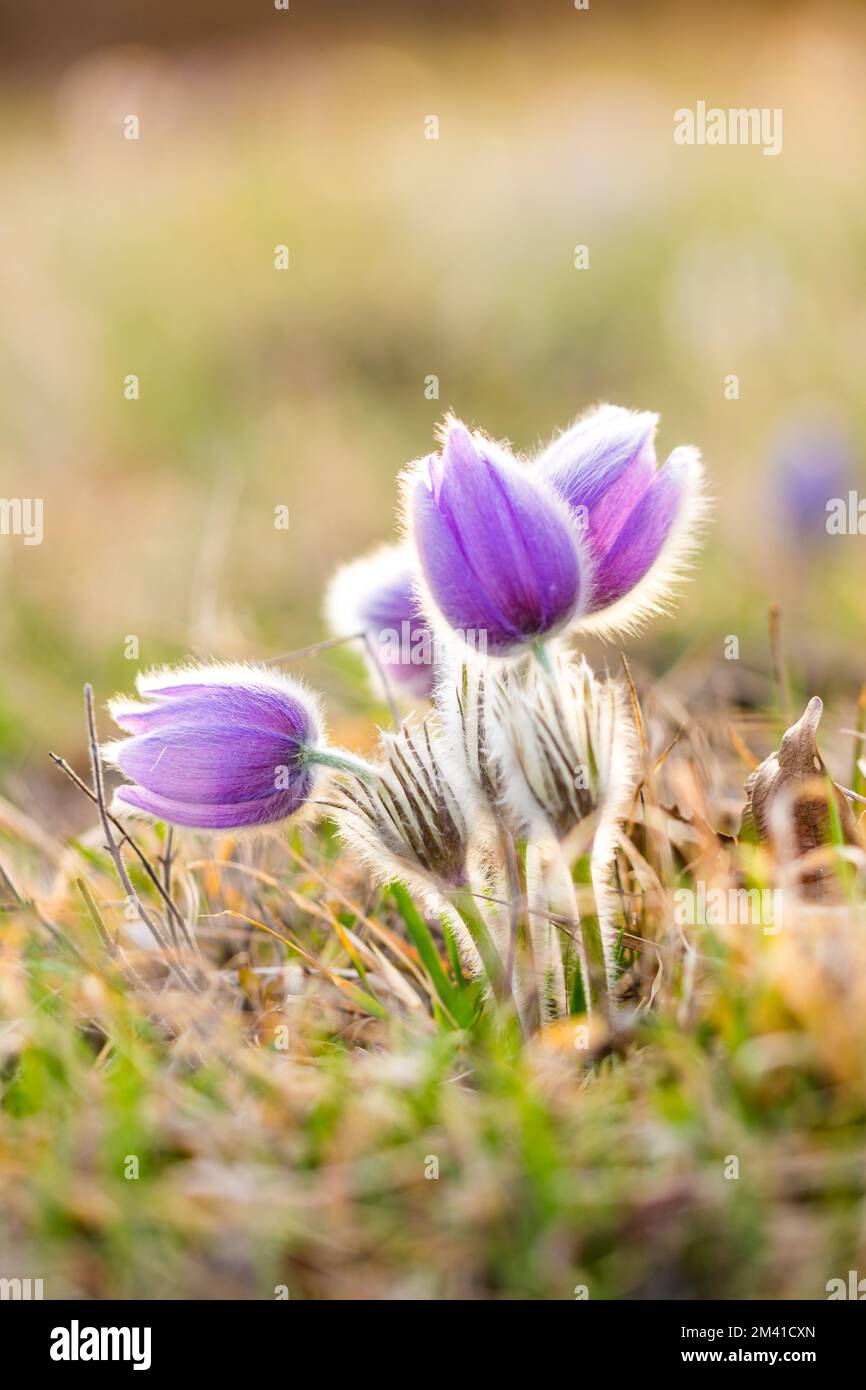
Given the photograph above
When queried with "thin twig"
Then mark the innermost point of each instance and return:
(96, 918)
(858, 781)
(22, 904)
(386, 685)
(4, 878)
(312, 649)
(315, 647)
(114, 851)
(777, 657)
(126, 839)
(60, 936)
(166, 860)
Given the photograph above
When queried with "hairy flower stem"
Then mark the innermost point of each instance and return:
(340, 762)
(542, 656)
(564, 899)
(544, 934)
(386, 684)
(463, 903)
(608, 908)
(509, 854)
(522, 966)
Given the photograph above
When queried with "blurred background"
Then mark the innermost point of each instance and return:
(409, 258)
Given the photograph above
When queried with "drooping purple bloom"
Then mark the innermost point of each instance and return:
(376, 595)
(497, 550)
(216, 747)
(639, 520)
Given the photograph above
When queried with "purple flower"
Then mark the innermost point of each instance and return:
(639, 520)
(216, 747)
(497, 550)
(375, 595)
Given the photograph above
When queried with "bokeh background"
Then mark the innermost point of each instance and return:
(408, 257)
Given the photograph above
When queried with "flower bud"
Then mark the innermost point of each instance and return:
(406, 821)
(565, 744)
(375, 595)
(640, 522)
(497, 550)
(216, 747)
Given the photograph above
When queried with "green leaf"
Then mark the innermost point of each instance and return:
(453, 998)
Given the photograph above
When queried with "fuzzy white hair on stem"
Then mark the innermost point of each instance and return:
(464, 701)
(407, 824)
(565, 745)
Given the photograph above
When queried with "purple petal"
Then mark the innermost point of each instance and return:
(500, 560)
(224, 750)
(212, 764)
(603, 462)
(389, 604)
(604, 467)
(624, 555)
(417, 677)
(376, 595)
(278, 806)
(248, 704)
(404, 644)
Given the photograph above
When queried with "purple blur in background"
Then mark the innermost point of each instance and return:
(811, 462)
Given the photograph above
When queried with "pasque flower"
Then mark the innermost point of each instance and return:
(465, 698)
(567, 752)
(408, 823)
(217, 747)
(498, 553)
(375, 595)
(565, 744)
(640, 521)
